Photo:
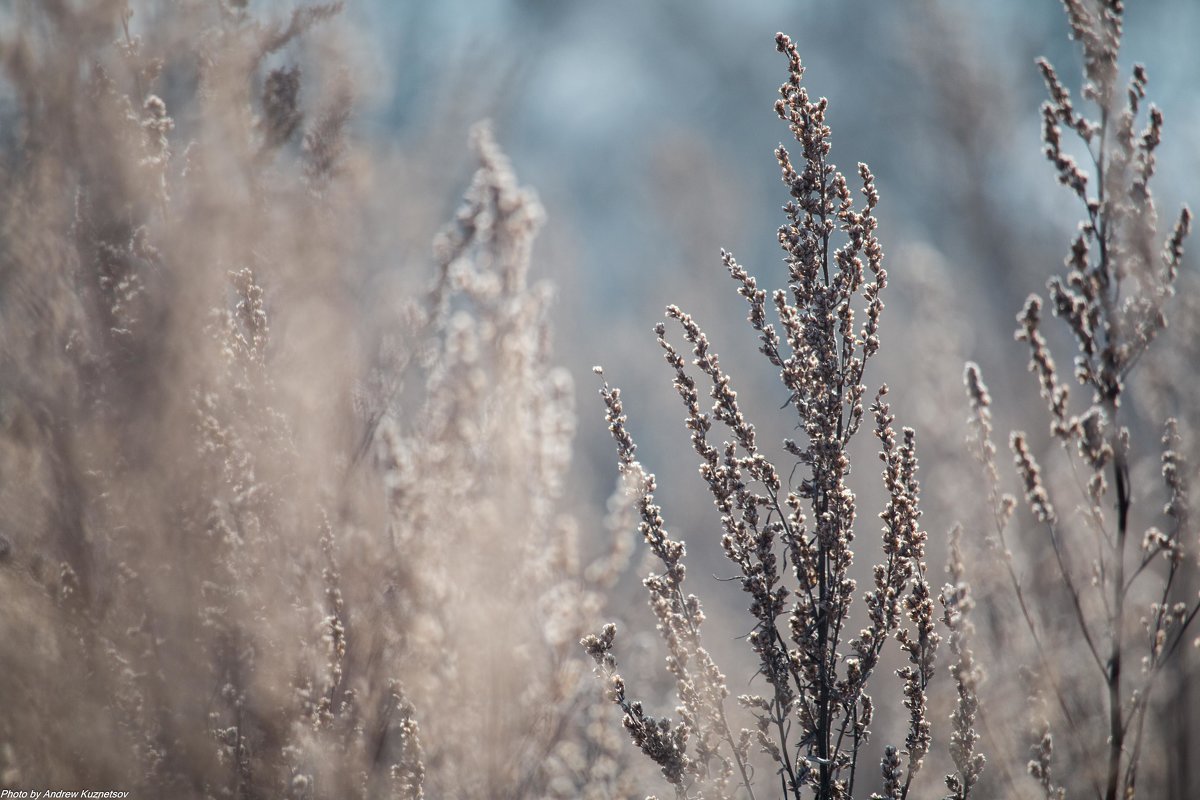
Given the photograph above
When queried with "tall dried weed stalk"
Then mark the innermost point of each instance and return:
(252, 547)
(1115, 552)
(789, 530)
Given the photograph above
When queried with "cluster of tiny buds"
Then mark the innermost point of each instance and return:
(1035, 491)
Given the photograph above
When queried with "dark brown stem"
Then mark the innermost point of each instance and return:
(1116, 726)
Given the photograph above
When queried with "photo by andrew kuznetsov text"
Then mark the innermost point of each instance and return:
(46, 794)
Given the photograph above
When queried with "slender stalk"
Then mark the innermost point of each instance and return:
(1116, 727)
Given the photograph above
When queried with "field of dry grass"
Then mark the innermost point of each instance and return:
(280, 518)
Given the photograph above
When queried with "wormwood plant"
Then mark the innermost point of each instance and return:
(790, 537)
(1119, 563)
(487, 585)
